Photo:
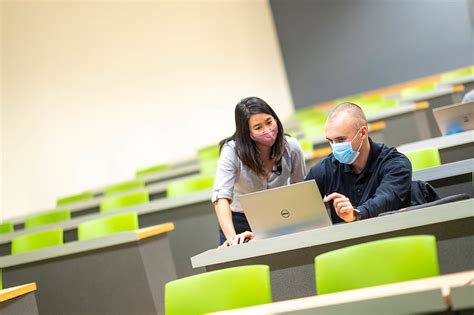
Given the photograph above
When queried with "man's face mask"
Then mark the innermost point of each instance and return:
(343, 151)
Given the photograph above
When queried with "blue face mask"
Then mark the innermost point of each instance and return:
(343, 151)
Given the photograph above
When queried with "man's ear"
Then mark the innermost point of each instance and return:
(365, 130)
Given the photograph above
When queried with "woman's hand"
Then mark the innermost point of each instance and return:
(238, 239)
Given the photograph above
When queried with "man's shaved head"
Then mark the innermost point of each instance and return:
(349, 112)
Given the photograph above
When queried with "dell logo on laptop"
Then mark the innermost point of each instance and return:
(285, 213)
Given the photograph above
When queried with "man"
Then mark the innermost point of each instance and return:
(362, 178)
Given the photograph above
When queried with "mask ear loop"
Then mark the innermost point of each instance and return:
(360, 146)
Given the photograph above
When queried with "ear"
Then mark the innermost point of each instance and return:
(364, 131)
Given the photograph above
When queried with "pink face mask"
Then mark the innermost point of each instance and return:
(267, 138)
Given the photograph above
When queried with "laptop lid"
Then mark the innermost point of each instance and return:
(284, 210)
(455, 118)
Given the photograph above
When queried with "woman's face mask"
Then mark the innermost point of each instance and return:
(268, 138)
(343, 151)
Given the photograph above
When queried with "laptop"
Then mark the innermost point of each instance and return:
(284, 210)
(455, 118)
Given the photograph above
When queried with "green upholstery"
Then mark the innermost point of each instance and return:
(6, 228)
(108, 225)
(425, 158)
(376, 263)
(418, 89)
(38, 240)
(74, 198)
(207, 158)
(219, 290)
(48, 218)
(190, 185)
(152, 170)
(457, 74)
(123, 187)
(306, 145)
(123, 201)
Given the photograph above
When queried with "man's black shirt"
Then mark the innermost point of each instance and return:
(384, 184)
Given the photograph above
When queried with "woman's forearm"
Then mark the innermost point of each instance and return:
(224, 216)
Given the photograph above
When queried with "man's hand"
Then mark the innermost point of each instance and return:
(342, 205)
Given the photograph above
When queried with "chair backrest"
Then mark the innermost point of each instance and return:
(6, 228)
(152, 170)
(186, 186)
(109, 225)
(123, 187)
(219, 290)
(123, 201)
(207, 158)
(456, 74)
(425, 158)
(38, 240)
(48, 218)
(376, 263)
(418, 89)
(74, 198)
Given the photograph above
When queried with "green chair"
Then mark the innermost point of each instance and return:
(425, 158)
(306, 145)
(219, 290)
(6, 228)
(376, 263)
(190, 185)
(413, 91)
(123, 187)
(55, 216)
(38, 240)
(152, 170)
(207, 158)
(108, 225)
(74, 198)
(123, 201)
(457, 74)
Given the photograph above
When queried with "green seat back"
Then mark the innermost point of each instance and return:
(152, 170)
(6, 228)
(48, 218)
(376, 263)
(207, 158)
(418, 89)
(122, 187)
(218, 290)
(38, 240)
(109, 225)
(425, 158)
(74, 198)
(457, 74)
(306, 145)
(190, 185)
(123, 201)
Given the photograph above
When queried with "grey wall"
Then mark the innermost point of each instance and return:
(335, 48)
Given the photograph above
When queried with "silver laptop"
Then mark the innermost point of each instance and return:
(455, 118)
(284, 210)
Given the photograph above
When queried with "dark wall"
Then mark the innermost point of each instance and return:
(335, 48)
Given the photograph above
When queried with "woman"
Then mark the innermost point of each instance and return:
(257, 156)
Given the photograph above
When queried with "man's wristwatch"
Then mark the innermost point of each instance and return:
(357, 215)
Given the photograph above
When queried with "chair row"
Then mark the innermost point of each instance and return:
(114, 201)
(87, 230)
(309, 121)
(358, 266)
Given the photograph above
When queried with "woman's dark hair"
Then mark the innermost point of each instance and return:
(245, 147)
